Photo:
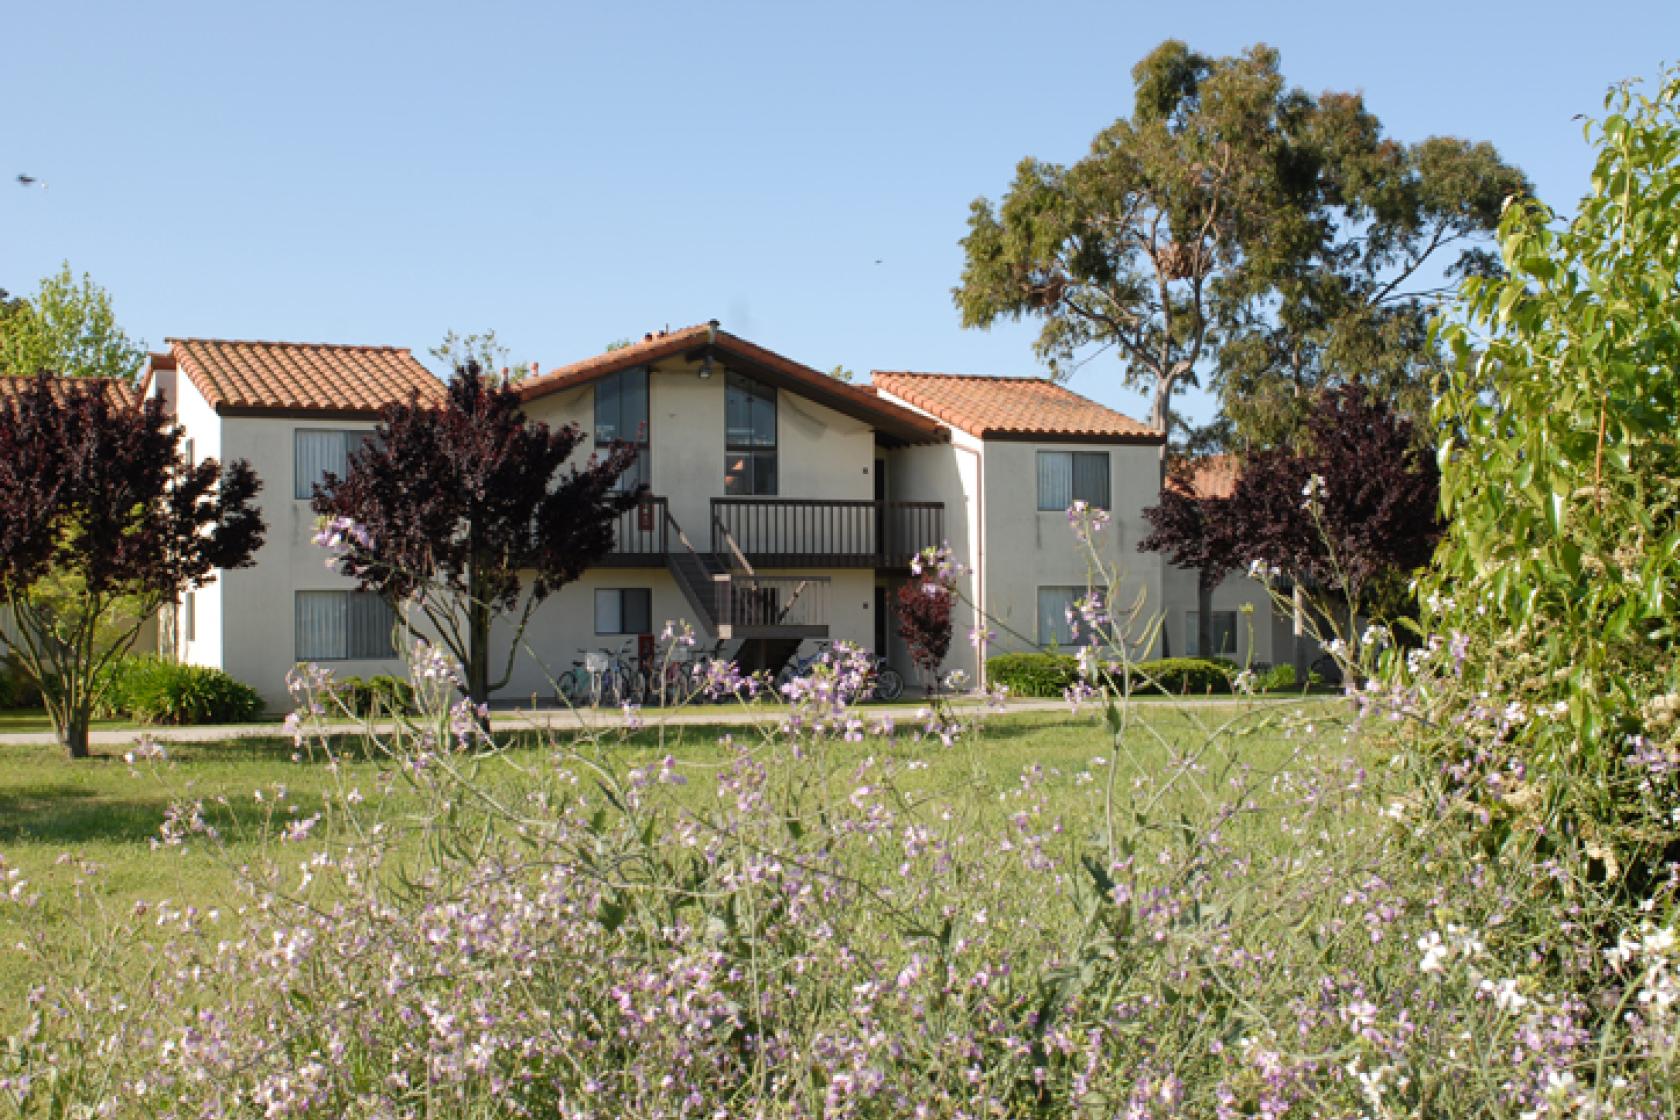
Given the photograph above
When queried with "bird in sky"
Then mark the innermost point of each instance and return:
(31, 181)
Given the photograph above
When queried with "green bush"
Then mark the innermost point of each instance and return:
(150, 690)
(1033, 674)
(17, 690)
(1182, 676)
(1278, 678)
(379, 695)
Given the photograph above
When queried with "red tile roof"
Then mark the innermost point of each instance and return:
(888, 418)
(1213, 476)
(1012, 407)
(257, 378)
(119, 392)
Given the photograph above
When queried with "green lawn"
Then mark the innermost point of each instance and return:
(108, 811)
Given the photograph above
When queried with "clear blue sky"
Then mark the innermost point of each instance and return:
(571, 174)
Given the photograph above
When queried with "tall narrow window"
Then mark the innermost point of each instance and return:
(621, 413)
(1065, 477)
(749, 459)
(318, 453)
(1222, 626)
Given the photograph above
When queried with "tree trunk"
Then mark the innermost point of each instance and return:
(478, 652)
(1204, 617)
(72, 732)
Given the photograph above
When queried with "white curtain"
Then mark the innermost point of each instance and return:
(317, 454)
(370, 621)
(1053, 605)
(1055, 479)
(1090, 477)
(322, 625)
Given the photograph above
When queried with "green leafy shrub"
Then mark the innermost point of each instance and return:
(151, 690)
(17, 690)
(1278, 678)
(1550, 685)
(1184, 675)
(1033, 674)
(378, 695)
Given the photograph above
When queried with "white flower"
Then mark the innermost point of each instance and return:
(1434, 950)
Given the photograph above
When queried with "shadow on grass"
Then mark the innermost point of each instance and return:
(68, 815)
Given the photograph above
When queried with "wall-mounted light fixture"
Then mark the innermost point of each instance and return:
(711, 340)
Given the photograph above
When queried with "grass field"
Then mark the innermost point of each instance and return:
(107, 810)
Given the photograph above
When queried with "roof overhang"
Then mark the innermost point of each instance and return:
(894, 424)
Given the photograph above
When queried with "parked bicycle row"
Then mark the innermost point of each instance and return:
(684, 676)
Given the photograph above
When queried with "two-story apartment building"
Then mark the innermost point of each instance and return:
(784, 505)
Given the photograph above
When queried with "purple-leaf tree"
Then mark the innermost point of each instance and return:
(467, 510)
(1193, 528)
(924, 607)
(102, 523)
(1358, 502)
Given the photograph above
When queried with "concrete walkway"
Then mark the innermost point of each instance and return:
(599, 719)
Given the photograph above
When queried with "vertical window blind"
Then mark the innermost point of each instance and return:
(343, 626)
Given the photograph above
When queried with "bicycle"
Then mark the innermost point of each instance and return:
(886, 684)
(603, 675)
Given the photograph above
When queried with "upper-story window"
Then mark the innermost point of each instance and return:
(320, 452)
(1065, 477)
(621, 413)
(749, 447)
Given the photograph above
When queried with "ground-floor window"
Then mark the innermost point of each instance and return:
(1055, 626)
(623, 610)
(1223, 632)
(343, 626)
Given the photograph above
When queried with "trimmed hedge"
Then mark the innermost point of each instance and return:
(150, 690)
(1051, 674)
(1033, 674)
(1185, 676)
(380, 695)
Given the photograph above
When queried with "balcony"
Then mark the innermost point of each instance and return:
(825, 533)
(787, 533)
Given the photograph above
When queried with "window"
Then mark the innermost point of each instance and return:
(190, 623)
(1065, 477)
(1223, 634)
(1054, 606)
(317, 454)
(621, 413)
(623, 610)
(343, 626)
(749, 459)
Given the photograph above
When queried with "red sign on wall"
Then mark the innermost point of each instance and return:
(644, 517)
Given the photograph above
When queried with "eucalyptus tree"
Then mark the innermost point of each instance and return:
(1239, 229)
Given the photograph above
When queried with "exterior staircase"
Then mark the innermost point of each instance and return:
(769, 616)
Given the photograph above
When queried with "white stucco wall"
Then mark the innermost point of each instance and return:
(948, 473)
(259, 620)
(204, 429)
(1026, 548)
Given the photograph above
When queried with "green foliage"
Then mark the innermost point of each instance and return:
(151, 690)
(1033, 674)
(1185, 676)
(1278, 678)
(375, 696)
(1239, 229)
(17, 688)
(1052, 674)
(68, 328)
(1560, 467)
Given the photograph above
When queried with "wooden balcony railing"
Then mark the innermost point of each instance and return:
(826, 533)
(755, 603)
(642, 536)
